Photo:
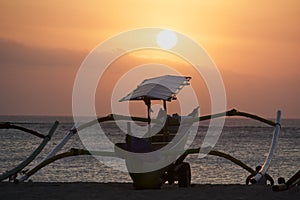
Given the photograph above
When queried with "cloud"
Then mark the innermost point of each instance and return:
(17, 54)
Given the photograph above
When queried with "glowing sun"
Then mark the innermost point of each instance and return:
(166, 39)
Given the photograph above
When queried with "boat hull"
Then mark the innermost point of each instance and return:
(148, 180)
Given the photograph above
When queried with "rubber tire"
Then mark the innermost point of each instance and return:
(184, 175)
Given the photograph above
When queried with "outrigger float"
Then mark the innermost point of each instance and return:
(164, 88)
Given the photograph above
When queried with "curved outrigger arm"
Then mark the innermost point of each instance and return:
(234, 112)
(77, 152)
(74, 129)
(8, 125)
(223, 155)
(229, 113)
(113, 117)
(33, 155)
(267, 162)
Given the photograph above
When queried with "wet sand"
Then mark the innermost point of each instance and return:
(84, 190)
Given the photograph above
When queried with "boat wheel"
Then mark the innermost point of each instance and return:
(184, 175)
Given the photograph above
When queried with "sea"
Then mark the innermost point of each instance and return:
(244, 139)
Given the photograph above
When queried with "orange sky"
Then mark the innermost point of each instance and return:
(255, 44)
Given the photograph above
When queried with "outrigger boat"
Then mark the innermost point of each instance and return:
(169, 134)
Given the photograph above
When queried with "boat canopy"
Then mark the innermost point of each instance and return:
(159, 88)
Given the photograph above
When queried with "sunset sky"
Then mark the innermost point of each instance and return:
(255, 44)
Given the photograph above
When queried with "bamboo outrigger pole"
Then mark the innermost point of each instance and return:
(234, 112)
(8, 125)
(77, 152)
(32, 156)
(229, 113)
(111, 117)
(267, 162)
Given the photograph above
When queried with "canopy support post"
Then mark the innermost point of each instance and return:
(165, 105)
(165, 128)
(147, 101)
(148, 104)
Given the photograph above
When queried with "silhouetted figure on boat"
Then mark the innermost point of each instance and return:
(263, 181)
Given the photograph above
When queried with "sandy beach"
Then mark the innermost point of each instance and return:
(80, 190)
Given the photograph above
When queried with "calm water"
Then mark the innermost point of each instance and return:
(244, 139)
